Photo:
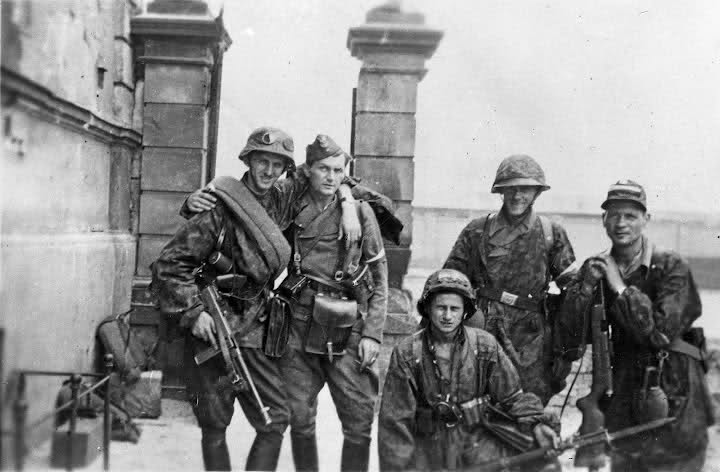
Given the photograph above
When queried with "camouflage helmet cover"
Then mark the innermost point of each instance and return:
(519, 170)
(272, 140)
(447, 280)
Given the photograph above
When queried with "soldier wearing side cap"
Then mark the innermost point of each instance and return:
(251, 240)
(651, 303)
(451, 392)
(511, 257)
(338, 299)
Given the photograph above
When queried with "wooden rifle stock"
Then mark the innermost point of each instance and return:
(599, 438)
(593, 420)
(234, 360)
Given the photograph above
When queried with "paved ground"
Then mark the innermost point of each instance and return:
(172, 442)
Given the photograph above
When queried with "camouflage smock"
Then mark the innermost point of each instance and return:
(482, 368)
(495, 254)
(659, 304)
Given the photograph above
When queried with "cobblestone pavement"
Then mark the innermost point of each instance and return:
(172, 443)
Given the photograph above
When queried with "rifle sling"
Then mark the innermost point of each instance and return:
(684, 347)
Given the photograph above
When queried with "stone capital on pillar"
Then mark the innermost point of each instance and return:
(393, 41)
(393, 46)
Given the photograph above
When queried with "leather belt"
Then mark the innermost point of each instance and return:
(510, 299)
(326, 286)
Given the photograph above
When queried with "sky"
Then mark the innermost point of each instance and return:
(595, 94)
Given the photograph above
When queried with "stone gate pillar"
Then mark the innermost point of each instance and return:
(393, 46)
(179, 47)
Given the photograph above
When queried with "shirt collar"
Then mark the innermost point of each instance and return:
(501, 222)
(645, 259)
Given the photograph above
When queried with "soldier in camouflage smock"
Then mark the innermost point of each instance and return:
(651, 303)
(268, 153)
(510, 258)
(441, 385)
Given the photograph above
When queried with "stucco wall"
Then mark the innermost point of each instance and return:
(67, 250)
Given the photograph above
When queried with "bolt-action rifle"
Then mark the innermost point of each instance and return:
(228, 347)
(600, 438)
(593, 420)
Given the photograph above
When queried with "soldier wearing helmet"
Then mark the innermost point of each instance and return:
(447, 384)
(651, 303)
(267, 208)
(511, 257)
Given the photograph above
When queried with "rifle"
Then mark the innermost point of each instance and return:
(601, 438)
(234, 360)
(593, 419)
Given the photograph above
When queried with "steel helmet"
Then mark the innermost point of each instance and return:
(271, 140)
(519, 170)
(447, 280)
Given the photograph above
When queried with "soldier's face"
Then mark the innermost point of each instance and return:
(517, 199)
(446, 312)
(265, 169)
(624, 223)
(327, 175)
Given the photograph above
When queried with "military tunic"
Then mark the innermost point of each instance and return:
(177, 292)
(354, 393)
(659, 304)
(408, 442)
(516, 259)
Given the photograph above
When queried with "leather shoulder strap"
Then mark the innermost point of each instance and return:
(548, 234)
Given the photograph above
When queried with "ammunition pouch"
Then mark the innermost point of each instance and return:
(330, 325)
(424, 422)
(277, 331)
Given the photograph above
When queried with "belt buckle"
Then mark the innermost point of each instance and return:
(508, 298)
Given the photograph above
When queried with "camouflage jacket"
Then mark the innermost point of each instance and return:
(516, 259)
(407, 442)
(174, 283)
(659, 305)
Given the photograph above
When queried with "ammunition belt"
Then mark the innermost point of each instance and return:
(510, 299)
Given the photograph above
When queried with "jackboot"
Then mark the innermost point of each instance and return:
(355, 456)
(265, 451)
(214, 449)
(304, 451)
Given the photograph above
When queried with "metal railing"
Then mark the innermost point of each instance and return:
(20, 406)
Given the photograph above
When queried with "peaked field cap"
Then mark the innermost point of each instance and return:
(272, 140)
(322, 148)
(626, 191)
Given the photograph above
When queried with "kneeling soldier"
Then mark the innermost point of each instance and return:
(445, 383)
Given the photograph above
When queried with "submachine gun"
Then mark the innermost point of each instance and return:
(593, 455)
(237, 369)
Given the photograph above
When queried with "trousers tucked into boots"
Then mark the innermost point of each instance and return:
(304, 451)
(355, 456)
(214, 449)
(265, 451)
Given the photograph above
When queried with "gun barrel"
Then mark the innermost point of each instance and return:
(210, 298)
